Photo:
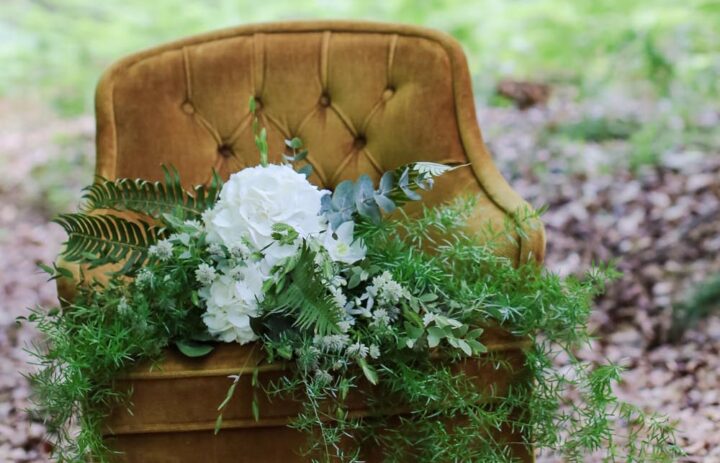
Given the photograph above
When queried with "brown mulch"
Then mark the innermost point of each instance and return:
(661, 224)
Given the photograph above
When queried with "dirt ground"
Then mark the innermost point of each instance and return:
(661, 224)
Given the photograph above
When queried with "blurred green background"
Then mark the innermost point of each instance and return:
(650, 48)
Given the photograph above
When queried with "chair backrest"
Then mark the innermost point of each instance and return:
(363, 97)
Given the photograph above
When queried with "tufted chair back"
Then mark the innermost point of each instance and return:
(363, 97)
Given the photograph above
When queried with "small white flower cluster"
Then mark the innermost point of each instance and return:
(162, 250)
(380, 301)
(344, 352)
(386, 291)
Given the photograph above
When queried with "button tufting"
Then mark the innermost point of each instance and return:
(188, 108)
(258, 103)
(359, 142)
(225, 150)
(325, 100)
(388, 93)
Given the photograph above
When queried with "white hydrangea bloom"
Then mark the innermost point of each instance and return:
(256, 198)
(231, 302)
(341, 245)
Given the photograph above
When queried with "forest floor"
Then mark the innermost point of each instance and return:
(659, 222)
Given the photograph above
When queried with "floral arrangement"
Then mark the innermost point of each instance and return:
(346, 294)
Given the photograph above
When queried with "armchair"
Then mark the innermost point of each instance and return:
(364, 98)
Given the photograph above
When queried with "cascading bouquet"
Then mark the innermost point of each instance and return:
(353, 298)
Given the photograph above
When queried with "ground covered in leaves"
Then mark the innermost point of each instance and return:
(659, 220)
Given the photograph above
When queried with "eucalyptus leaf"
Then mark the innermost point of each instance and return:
(386, 183)
(300, 156)
(295, 143)
(385, 203)
(306, 170)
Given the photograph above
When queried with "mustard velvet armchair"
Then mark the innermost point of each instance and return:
(364, 98)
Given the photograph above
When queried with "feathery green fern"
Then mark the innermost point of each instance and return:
(105, 239)
(307, 299)
(152, 198)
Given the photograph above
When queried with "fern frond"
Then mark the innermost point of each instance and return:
(152, 198)
(103, 239)
(305, 299)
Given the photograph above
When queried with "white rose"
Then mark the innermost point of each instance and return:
(341, 246)
(231, 301)
(256, 198)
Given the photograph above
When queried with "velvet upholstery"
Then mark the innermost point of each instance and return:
(364, 98)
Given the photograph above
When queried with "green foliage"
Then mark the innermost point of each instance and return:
(665, 44)
(302, 296)
(105, 330)
(445, 289)
(152, 199)
(396, 188)
(704, 300)
(600, 129)
(91, 342)
(105, 239)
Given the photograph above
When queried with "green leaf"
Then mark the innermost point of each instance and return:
(355, 279)
(369, 372)
(285, 352)
(460, 344)
(386, 183)
(475, 333)
(46, 268)
(435, 335)
(194, 349)
(306, 170)
(477, 347)
(255, 409)
(364, 194)
(385, 203)
(252, 104)
(413, 331)
(63, 272)
(230, 394)
(300, 156)
(295, 143)
(218, 424)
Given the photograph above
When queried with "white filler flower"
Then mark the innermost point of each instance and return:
(256, 198)
(231, 301)
(340, 245)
